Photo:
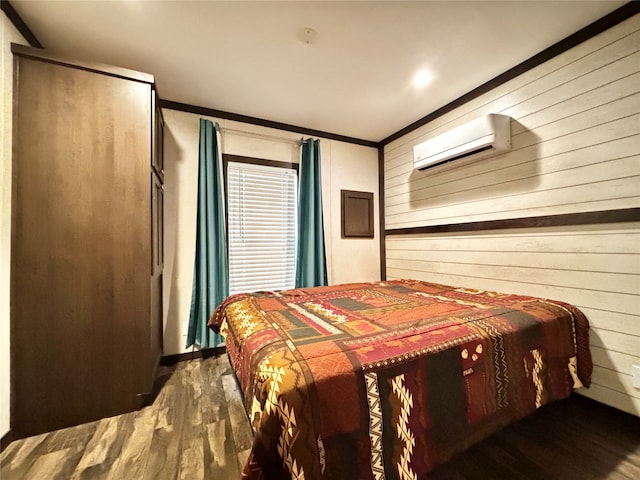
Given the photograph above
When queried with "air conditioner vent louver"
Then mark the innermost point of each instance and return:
(457, 157)
(483, 137)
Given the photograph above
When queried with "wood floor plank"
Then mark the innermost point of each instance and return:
(74, 443)
(560, 441)
(163, 407)
(223, 456)
(222, 447)
(167, 443)
(210, 373)
(192, 383)
(69, 437)
(229, 469)
(48, 465)
(192, 460)
(164, 455)
(168, 402)
(242, 436)
(216, 438)
(164, 400)
(25, 456)
(241, 429)
(9, 452)
(230, 387)
(133, 459)
(97, 449)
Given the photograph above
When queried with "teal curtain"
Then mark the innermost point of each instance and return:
(211, 272)
(311, 262)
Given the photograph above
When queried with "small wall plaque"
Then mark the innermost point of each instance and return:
(357, 214)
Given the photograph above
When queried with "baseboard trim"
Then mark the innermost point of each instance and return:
(6, 439)
(169, 360)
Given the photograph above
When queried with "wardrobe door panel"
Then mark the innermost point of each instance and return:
(80, 244)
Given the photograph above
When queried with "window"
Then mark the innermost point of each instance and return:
(262, 226)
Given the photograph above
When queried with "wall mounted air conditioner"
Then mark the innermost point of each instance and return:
(480, 138)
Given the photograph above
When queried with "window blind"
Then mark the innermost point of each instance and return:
(262, 223)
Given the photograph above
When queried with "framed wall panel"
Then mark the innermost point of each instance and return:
(357, 214)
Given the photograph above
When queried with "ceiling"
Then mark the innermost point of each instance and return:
(354, 79)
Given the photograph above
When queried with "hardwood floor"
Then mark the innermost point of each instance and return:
(197, 429)
(576, 438)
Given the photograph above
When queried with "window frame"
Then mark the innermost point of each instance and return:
(226, 158)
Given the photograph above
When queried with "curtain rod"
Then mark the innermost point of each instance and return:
(294, 141)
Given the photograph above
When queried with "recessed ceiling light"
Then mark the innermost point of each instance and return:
(422, 78)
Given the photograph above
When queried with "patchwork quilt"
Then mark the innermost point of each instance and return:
(388, 380)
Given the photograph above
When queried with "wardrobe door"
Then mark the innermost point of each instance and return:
(80, 244)
(157, 161)
(157, 261)
(157, 236)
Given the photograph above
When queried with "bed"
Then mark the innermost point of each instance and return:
(388, 380)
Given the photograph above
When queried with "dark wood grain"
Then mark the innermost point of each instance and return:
(566, 219)
(226, 158)
(155, 332)
(169, 360)
(81, 227)
(356, 214)
(575, 438)
(381, 215)
(157, 139)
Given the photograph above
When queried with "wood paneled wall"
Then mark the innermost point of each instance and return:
(576, 148)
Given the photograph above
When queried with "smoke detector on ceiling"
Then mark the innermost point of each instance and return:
(307, 35)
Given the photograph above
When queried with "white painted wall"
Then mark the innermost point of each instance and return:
(344, 166)
(576, 148)
(8, 35)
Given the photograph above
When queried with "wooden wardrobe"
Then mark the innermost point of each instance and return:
(87, 239)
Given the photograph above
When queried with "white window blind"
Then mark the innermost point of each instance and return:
(262, 220)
